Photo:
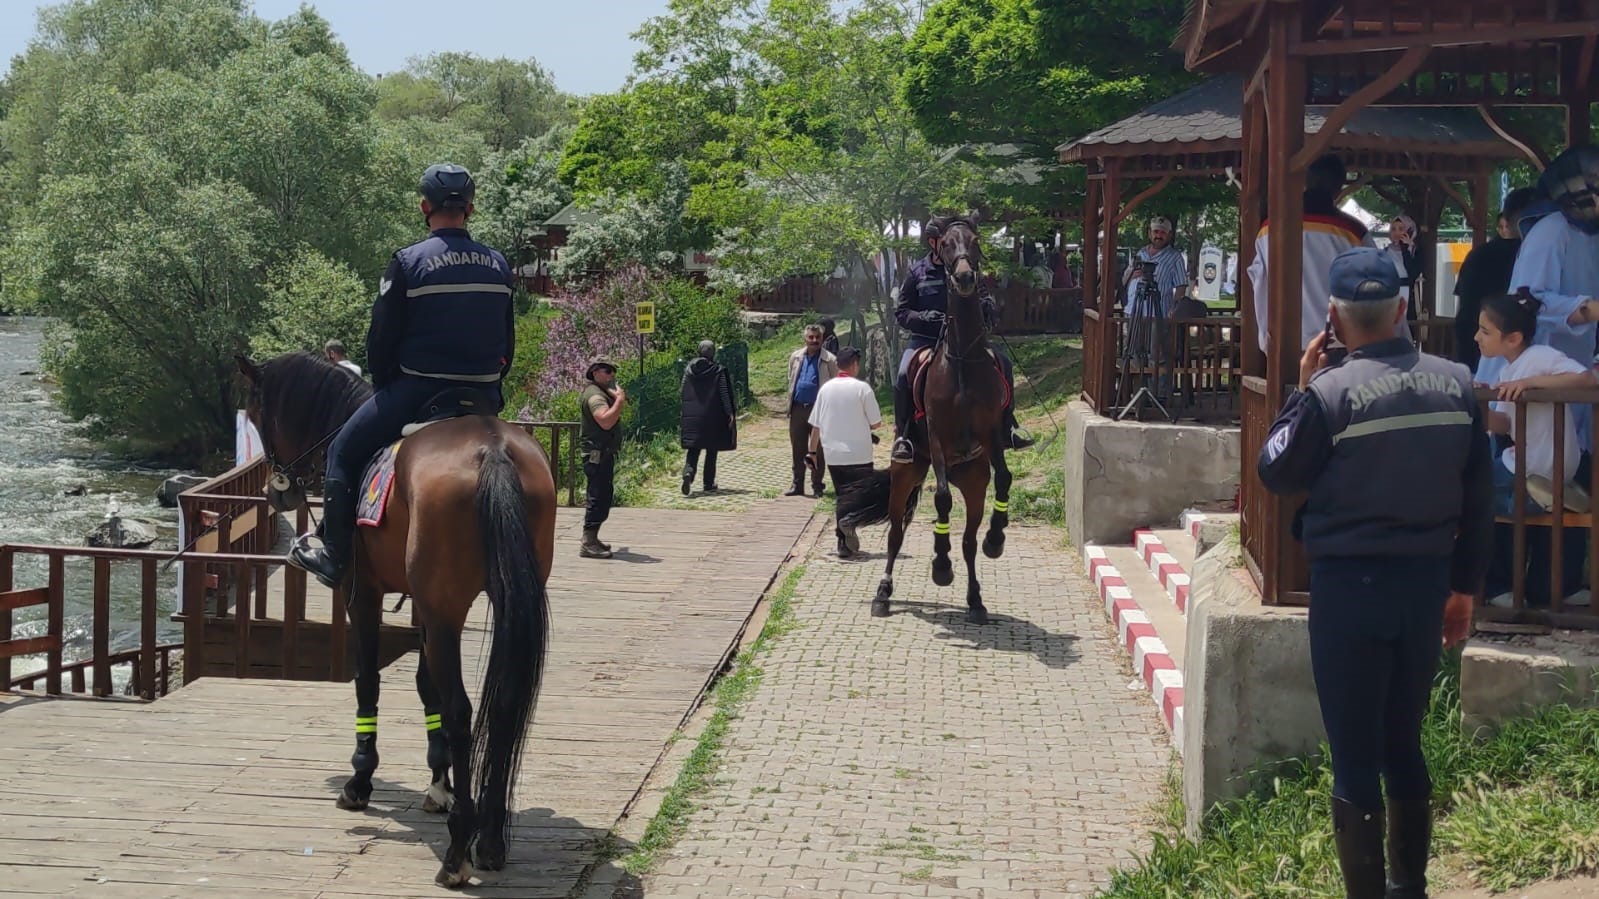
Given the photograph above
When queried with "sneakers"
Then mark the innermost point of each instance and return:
(1541, 491)
(797, 490)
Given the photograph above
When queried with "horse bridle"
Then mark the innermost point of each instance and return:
(949, 266)
(287, 480)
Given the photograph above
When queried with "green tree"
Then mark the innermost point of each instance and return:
(504, 100)
(310, 300)
(518, 191)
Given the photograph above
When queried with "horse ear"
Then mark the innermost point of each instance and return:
(248, 368)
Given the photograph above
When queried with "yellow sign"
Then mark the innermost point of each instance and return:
(645, 313)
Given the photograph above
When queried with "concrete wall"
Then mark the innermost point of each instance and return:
(1249, 698)
(1499, 681)
(1121, 476)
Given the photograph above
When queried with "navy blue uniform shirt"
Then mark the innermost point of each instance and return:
(444, 311)
(923, 292)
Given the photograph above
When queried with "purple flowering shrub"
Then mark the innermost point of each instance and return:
(594, 320)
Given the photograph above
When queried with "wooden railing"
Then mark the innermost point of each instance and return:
(1254, 506)
(561, 441)
(1037, 310)
(1435, 335)
(149, 664)
(1524, 518)
(1201, 363)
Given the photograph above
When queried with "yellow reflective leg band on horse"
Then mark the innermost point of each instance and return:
(1001, 507)
(435, 722)
(941, 527)
(366, 725)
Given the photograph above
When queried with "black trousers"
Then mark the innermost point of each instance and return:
(600, 490)
(843, 476)
(692, 462)
(1376, 626)
(799, 442)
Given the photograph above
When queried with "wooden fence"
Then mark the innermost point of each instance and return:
(1036, 310)
(1202, 372)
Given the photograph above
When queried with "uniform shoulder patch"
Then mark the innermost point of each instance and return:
(1279, 442)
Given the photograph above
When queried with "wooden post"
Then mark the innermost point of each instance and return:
(1253, 177)
(7, 583)
(1285, 124)
(193, 621)
(53, 627)
(1093, 331)
(147, 631)
(1481, 186)
(100, 627)
(1109, 280)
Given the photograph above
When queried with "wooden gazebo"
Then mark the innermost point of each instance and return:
(1292, 54)
(1422, 158)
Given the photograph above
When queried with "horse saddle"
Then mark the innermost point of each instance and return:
(453, 403)
(377, 480)
(917, 376)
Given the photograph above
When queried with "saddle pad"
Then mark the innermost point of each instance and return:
(918, 377)
(376, 483)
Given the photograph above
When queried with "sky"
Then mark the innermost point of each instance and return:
(583, 43)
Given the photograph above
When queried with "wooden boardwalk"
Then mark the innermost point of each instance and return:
(226, 787)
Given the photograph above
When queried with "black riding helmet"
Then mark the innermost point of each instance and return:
(448, 186)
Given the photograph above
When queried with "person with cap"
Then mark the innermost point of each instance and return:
(600, 411)
(1171, 268)
(443, 320)
(1390, 581)
(708, 422)
(920, 308)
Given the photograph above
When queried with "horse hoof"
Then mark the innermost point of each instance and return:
(879, 608)
(885, 589)
(437, 800)
(943, 572)
(350, 802)
(976, 614)
(994, 547)
(456, 880)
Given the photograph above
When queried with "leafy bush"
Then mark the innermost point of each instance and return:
(310, 300)
(687, 314)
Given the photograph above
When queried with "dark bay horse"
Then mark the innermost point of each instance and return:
(962, 396)
(471, 509)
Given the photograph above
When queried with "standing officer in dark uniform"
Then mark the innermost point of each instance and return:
(443, 320)
(923, 301)
(1390, 445)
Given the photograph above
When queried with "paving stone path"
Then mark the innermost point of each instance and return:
(920, 756)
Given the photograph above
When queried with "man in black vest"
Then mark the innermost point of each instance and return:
(600, 408)
(443, 319)
(1391, 446)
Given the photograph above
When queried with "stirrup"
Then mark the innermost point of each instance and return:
(1020, 439)
(903, 451)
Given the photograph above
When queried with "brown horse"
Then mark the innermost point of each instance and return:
(471, 509)
(962, 395)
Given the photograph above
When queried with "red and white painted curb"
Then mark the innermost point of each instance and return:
(1164, 566)
(1151, 660)
(1191, 521)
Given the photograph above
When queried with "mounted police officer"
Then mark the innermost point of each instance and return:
(443, 321)
(1391, 446)
(923, 302)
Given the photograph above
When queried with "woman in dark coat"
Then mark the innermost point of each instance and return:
(708, 415)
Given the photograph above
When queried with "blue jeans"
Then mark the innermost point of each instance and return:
(1376, 626)
(379, 420)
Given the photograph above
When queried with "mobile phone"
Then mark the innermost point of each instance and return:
(1331, 346)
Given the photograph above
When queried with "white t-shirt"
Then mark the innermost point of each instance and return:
(1539, 441)
(845, 410)
(345, 363)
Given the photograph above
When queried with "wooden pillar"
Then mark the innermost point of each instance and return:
(1110, 203)
(1285, 187)
(1093, 331)
(1250, 200)
(1481, 184)
(1427, 244)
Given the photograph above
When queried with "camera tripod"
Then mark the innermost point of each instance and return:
(1144, 346)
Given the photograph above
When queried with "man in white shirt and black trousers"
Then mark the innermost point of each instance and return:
(842, 421)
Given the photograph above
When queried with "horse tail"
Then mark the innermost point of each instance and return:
(521, 629)
(865, 502)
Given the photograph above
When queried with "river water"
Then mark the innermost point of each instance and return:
(44, 456)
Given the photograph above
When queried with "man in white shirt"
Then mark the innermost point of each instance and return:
(842, 421)
(336, 354)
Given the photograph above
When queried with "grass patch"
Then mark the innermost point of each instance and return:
(1520, 807)
(643, 463)
(732, 691)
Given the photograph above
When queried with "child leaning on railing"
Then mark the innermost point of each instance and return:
(1505, 329)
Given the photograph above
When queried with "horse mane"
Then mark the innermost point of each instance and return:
(305, 397)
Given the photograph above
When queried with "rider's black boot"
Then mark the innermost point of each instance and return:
(337, 532)
(903, 410)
